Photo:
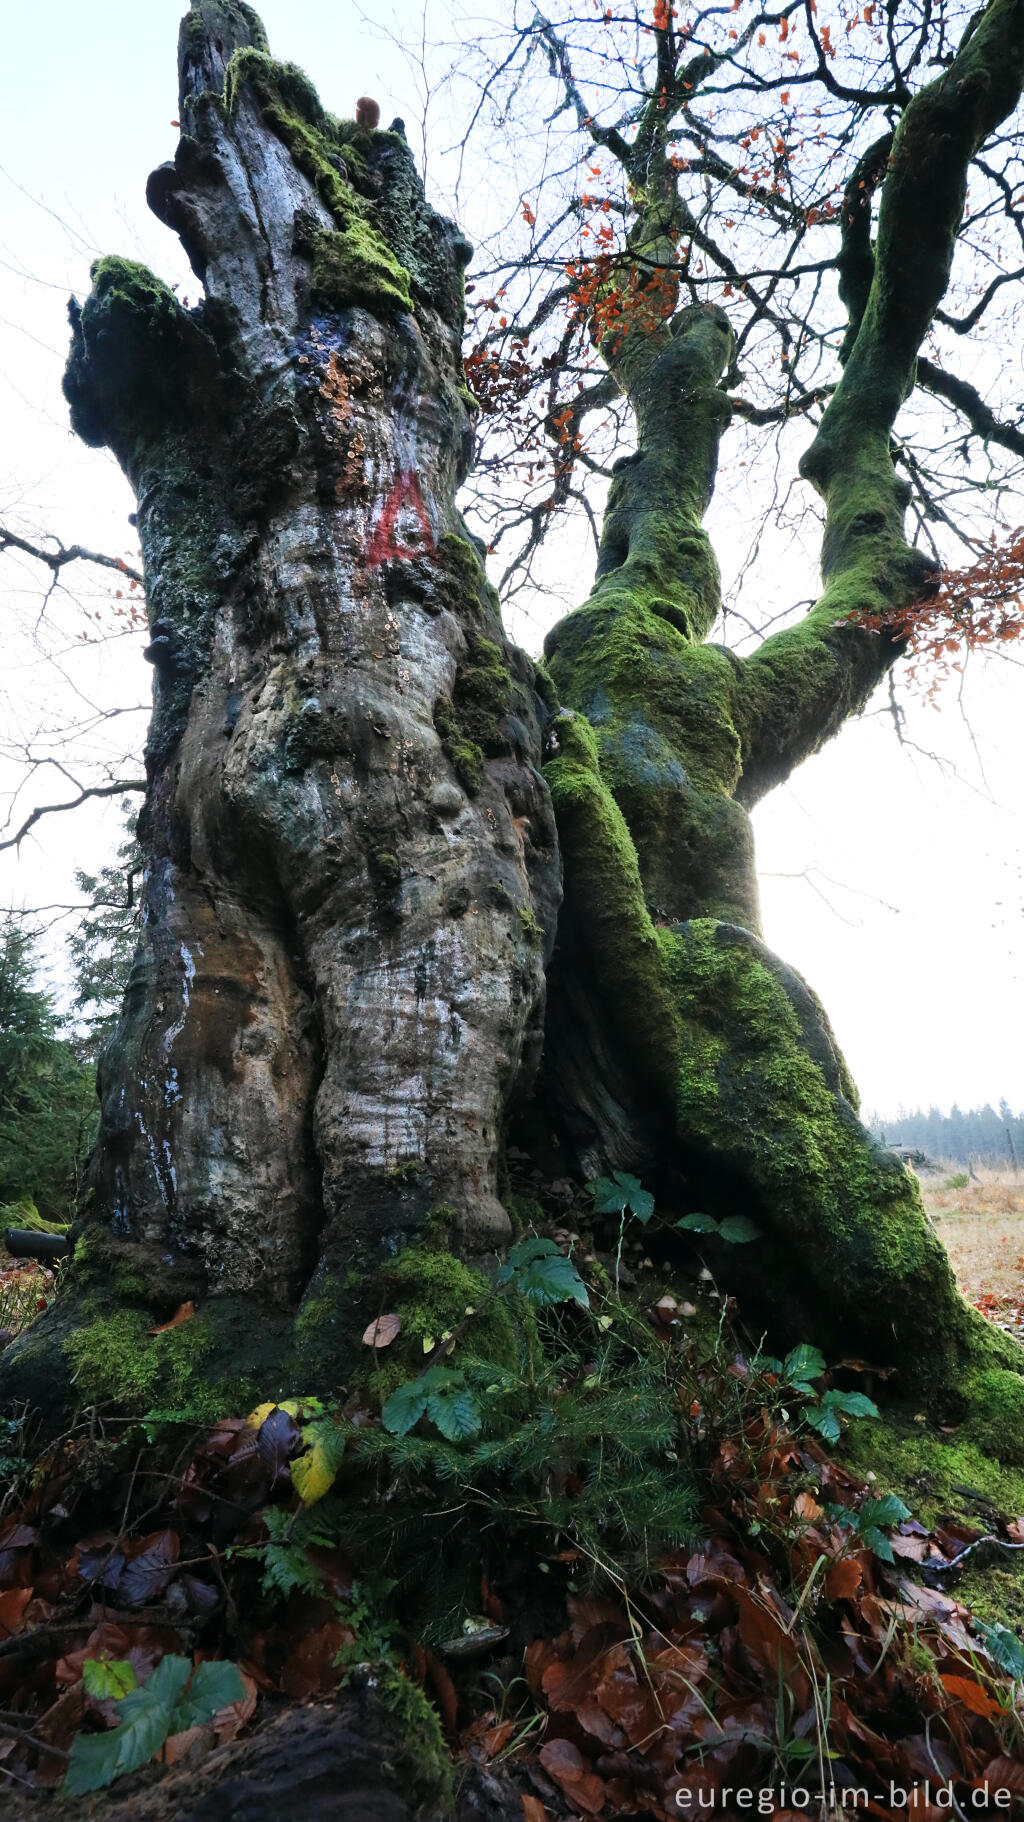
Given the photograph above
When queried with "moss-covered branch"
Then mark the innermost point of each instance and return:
(803, 683)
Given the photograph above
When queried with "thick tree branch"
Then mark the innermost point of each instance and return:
(804, 682)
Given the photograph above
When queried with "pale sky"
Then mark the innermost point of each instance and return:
(894, 882)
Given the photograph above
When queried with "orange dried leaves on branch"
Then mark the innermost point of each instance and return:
(975, 608)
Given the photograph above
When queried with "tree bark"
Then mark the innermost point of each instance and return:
(735, 1092)
(354, 878)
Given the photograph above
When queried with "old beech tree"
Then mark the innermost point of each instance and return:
(409, 894)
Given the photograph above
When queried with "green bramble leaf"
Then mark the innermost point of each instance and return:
(143, 1726)
(441, 1393)
(108, 1677)
(213, 1686)
(698, 1224)
(543, 1275)
(851, 1404)
(825, 1422)
(403, 1410)
(456, 1413)
(1003, 1647)
(738, 1229)
(803, 1363)
(609, 1196)
(621, 1192)
(878, 1542)
(889, 1510)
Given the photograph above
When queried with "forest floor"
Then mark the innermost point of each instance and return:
(981, 1224)
(798, 1607)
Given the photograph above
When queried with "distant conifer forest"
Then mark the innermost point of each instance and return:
(993, 1136)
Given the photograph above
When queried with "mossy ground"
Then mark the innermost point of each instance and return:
(934, 1472)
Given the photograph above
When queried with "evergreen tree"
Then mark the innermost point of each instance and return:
(101, 948)
(47, 1097)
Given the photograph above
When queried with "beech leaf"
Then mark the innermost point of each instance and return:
(382, 1331)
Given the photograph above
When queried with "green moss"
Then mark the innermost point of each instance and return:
(619, 936)
(354, 262)
(409, 1172)
(760, 1091)
(482, 696)
(930, 1471)
(546, 687)
(464, 755)
(995, 1407)
(221, 17)
(523, 1211)
(994, 1590)
(114, 1358)
(440, 1223)
(356, 265)
(24, 1213)
(386, 874)
(419, 1722)
(664, 712)
(317, 1312)
(463, 563)
(469, 722)
(532, 930)
(131, 332)
(431, 1290)
(129, 1283)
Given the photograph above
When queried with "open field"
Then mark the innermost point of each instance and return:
(982, 1225)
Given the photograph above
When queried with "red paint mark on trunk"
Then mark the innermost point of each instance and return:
(385, 546)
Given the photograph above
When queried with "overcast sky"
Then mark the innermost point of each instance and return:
(892, 880)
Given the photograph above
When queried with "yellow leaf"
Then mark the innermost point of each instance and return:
(312, 1475)
(294, 1407)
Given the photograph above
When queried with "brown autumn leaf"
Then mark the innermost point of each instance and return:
(1003, 1774)
(498, 1737)
(912, 1549)
(12, 1607)
(227, 1722)
(533, 1809)
(582, 1787)
(190, 1746)
(807, 1508)
(383, 1331)
(311, 1667)
(444, 1690)
(183, 1313)
(844, 1578)
(536, 1660)
(974, 1698)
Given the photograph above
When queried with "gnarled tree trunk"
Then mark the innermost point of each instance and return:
(354, 876)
